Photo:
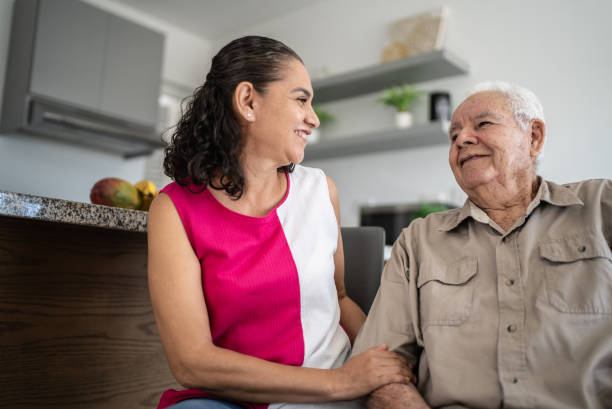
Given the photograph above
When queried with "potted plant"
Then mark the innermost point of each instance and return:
(401, 98)
(324, 118)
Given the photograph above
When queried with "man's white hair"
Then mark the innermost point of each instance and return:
(524, 103)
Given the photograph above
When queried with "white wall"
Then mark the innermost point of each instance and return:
(48, 168)
(559, 49)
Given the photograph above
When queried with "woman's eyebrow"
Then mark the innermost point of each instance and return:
(304, 90)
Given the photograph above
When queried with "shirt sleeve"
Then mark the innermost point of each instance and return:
(390, 320)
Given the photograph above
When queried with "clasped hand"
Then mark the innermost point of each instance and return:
(370, 370)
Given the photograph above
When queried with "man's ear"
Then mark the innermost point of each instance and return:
(538, 136)
(244, 95)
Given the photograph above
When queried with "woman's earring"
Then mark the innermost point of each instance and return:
(249, 114)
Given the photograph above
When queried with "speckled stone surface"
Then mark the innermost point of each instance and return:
(65, 211)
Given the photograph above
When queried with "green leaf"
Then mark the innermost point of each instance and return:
(400, 97)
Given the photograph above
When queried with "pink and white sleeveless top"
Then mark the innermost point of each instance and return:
(269, 281)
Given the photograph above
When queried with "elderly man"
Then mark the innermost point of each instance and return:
(507, 301)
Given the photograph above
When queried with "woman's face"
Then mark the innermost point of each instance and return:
(282, 117)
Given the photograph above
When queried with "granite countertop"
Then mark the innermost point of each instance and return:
(66, 211)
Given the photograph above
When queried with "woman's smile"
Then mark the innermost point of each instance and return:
(302, 133)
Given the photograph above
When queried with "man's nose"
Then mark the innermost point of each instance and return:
(466, 137)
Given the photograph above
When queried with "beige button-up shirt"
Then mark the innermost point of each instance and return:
(516, 319)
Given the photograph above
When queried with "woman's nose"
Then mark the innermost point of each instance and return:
(312, 119)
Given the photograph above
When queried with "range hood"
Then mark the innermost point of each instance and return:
(81, 75)
(70, 124)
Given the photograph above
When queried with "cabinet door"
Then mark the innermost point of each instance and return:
(71, 72)
(132, 72)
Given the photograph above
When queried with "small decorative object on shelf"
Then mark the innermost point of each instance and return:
(403, 119)
(401, 98)
(415, 34)
(324, 118)
(439, 106)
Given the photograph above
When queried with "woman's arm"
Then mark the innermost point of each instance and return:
(351, 316)
(180, 311)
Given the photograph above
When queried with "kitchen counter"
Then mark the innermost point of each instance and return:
(65, 211)
(78, 329)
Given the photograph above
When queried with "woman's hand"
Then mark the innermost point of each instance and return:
(370, 370)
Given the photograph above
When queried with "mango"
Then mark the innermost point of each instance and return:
(148, 191)
(115, 192)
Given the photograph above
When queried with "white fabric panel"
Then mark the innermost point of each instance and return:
(311, 229)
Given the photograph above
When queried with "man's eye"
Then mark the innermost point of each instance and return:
(453, 138)
(483, 123)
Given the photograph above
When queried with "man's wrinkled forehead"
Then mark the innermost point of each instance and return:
(486, 104)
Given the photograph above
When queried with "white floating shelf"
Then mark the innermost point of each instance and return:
(413, 69)
(435, 133)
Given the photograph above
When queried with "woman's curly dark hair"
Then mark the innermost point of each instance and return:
(206, 141)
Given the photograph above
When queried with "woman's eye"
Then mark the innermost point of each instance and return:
(303, 100)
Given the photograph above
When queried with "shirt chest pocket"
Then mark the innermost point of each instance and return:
(446, 293)
(578, 271)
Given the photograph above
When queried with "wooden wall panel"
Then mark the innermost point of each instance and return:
(76, 323)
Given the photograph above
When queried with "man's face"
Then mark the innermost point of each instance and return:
(487, 144)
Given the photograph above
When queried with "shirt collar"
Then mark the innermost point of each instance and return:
(558, 195)
(459, 215)
(548, 192)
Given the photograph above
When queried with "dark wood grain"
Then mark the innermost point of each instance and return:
(76, 324)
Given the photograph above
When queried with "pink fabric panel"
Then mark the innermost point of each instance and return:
(249, 280)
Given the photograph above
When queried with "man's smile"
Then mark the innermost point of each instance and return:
(471, 157)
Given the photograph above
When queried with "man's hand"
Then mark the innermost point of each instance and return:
(396, 396)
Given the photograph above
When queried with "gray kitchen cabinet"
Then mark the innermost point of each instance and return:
(104, 62)
(132, 70)
(69, 52)
(79, 74)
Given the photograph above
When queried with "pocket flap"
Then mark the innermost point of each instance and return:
(457, 273)
(575, 247)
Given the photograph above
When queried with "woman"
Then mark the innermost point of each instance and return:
(246, 267)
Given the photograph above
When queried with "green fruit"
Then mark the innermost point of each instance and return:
(115, 192)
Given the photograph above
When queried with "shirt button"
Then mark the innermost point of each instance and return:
(582, 249)
(515, 380)
(509, 282)
(511, 328)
